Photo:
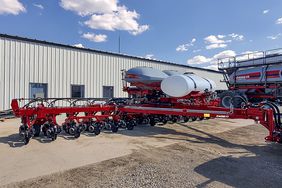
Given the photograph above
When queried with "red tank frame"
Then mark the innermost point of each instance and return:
(149, 105)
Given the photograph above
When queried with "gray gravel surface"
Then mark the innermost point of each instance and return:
(236, 158)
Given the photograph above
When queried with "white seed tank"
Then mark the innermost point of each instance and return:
(182, 85)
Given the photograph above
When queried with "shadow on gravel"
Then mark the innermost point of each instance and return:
(250, 166)
(15, 141)
(255, 166)
(42, 139)
(163, 132)
(260, 168)
(12, 140)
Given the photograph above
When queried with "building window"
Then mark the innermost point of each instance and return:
(77, 91)
(108, 91)
(38, 90)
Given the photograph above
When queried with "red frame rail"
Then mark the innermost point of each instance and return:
(40, 114)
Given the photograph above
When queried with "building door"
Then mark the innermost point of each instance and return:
(77, 91)
(108, 91)
(38, 90)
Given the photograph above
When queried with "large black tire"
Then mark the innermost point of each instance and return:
(239, 101)
(226, 99)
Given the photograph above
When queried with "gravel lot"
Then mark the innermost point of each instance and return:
(214, 153)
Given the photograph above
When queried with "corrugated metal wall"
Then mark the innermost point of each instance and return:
(23, 62)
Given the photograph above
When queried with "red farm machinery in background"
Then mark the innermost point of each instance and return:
(253, 77)
(153, 99)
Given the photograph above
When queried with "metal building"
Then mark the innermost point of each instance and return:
(32, 68)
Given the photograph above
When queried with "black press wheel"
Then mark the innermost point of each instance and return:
(77, 133)
(174, 119)
(26, 140)
(37, 130)
(152, 122)
(130, 125)
(185, 119)
(54, 137)
(27, 137)
(114, 128)
(201, 118)
(91, 128)
(97, 130)
(164, 121)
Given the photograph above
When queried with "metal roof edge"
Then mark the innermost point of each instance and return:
(102, 52)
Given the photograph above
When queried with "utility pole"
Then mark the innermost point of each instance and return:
(119, 42)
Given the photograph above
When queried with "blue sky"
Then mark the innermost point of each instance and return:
(196, 32)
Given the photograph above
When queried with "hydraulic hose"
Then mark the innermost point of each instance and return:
(276, 113)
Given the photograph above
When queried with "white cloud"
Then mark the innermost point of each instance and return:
(89, 7)
(185, 47)
(150, 56)
(221, 36)
(212, 67)
(197, 60)
(236, 36)
(78, 45)
(94, 37)
(198, 50)
(38, 6)
(220, 41)
(106, 15)
(224, 54)
(279, 21)
(274, 37)
(140, 29)
(182, 48)
(214, 46)
(213, 40)
(11, 7)
(212, 61)
(265, 11)
(122, 19)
